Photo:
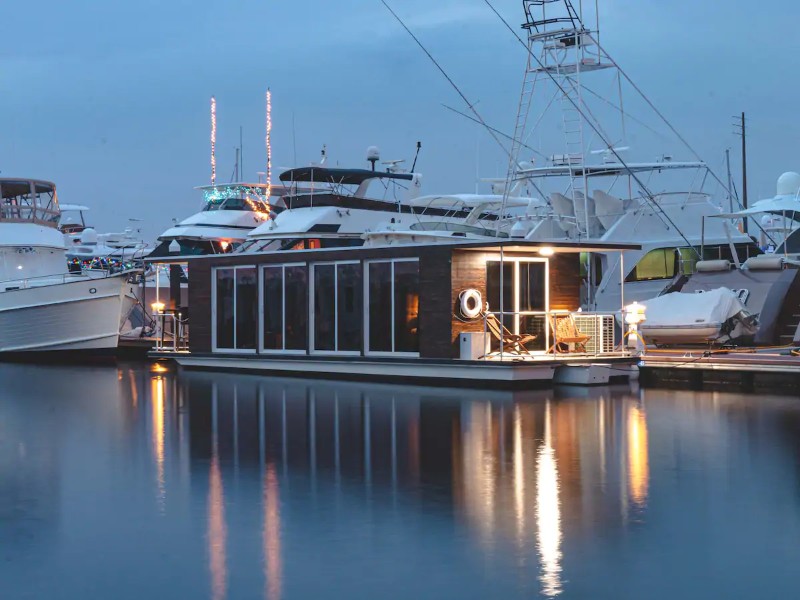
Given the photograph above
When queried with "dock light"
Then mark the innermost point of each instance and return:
(635, 316)
(546, 251)
(158, 307)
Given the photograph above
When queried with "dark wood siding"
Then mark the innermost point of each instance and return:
(469, 271)
(435, 303)
(565, 282)
(200, 306)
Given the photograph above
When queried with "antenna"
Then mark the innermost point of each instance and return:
(742, 131)
(416, 156)
(213, 140)
(240, 169)
(268, 142)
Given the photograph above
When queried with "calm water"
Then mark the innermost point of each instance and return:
(133, 483)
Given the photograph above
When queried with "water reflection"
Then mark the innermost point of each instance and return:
(548, 513)
(466, 492)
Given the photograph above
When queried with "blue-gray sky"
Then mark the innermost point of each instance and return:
(110, 99)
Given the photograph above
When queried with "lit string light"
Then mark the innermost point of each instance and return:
(213, 140)
(269, 144)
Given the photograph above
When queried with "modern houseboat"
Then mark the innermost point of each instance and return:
(501, 313)
(43, 306)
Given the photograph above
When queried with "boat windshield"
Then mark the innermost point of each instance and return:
(228, 204)
(24, 200)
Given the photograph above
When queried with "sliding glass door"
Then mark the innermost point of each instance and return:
(392, 302)
(284, 308)
(235, 309)
(517, 293)
(337, 307)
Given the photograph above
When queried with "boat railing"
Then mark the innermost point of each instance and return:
(172, 334)
(54, 279)
(510, 335)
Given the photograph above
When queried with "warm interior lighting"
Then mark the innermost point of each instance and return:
(546, 251)
(158, 307)
(224, 245)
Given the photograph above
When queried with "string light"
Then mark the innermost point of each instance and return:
(213, 140)
(269, 143)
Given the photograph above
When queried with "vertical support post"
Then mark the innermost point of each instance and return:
(744, 171)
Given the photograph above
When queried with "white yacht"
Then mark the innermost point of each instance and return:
(587, 191)
(88, 249)
(44, 307)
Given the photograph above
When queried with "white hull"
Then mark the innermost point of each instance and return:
(83, 314)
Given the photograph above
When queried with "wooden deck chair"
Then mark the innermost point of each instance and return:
(565, 332)
(510, 342)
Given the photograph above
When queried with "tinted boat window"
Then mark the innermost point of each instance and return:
(273, 308)
(406, 306)
(225, 307)
(324, 307)
(296, 316)
(246, 309)
(348, 307)
(380, 307)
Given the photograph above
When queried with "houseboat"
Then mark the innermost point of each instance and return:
(497, 314)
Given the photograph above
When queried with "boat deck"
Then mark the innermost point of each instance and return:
(538, 371)
(748, 369)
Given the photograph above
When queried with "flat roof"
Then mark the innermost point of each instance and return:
(339, 176)
(558, 246)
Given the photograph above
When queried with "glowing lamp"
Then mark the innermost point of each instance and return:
(157, 307)
(224, 245)
(546, 251)
(635, 314)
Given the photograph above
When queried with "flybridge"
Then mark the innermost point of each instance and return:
(29, 200)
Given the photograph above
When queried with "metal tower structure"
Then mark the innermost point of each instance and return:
(566, 48)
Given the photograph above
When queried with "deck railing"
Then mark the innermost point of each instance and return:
(532, 334)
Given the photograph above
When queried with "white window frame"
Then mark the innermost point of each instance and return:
(235, 268)
(312, 308)
(282, 267)
(383, 353)
(515, 295)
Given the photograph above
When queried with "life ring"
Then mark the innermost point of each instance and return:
(471, 303)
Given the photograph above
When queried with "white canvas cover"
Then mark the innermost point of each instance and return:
(716, 315)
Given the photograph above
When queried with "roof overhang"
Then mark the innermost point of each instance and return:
(339, 176)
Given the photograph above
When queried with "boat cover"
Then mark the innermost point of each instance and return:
(715, 316)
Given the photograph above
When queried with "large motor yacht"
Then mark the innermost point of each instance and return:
(44, 307)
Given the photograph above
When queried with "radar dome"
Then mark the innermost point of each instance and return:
(789, 184)
(88, 236)
(373, 153)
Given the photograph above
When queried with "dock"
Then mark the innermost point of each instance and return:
(746, 369)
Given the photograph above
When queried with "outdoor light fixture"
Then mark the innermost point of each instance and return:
(158, 307)
(635, 316)
(546, 251)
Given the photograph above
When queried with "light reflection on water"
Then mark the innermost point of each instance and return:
(282, 488)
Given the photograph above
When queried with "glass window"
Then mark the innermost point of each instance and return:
(273, 308)
(325, 307)
(656, 264)
(296, 314)
(532, 286)
(348, 307)
(225, 308)
(393, 314)
(406, 306)
(246, 308)
(380, 306)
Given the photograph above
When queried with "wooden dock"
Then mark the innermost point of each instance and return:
(750, 370)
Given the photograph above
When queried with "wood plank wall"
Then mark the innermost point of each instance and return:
(469, 271)
(200, 306)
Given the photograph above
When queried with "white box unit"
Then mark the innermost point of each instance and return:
(474, 345)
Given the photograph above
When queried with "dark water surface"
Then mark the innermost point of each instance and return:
(131, 482)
